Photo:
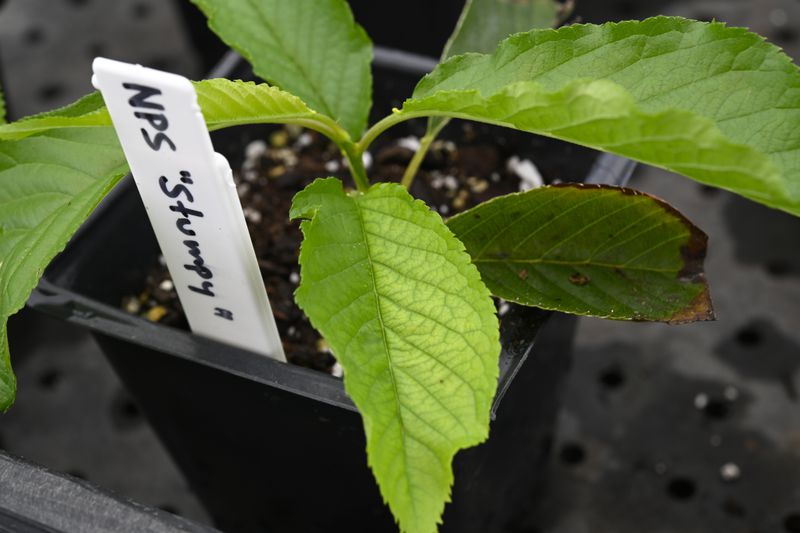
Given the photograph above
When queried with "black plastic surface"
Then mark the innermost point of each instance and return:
(35, 500)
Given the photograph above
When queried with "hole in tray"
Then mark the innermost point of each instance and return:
(33, 35)
(786, 35)
(612, 377)
(125, 414)
(681, 488)
(50, 92)
(778, 267)
(50, 378)
(78, 3)
(572, 453)
(792, 523)
(142, 10)
(749, 336)
(716, 408)
(733, 508)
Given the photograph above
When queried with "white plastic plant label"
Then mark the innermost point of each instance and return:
(191, 199)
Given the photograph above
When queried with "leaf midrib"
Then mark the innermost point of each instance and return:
(660, 94)
(557, 262)
(587, 54)
(610, 75)
(379, 314)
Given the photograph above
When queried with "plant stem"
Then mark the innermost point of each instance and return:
(350, 150)
(330, 129)
(381, 126)
(413, 165)
(354, 158)
(424, 144)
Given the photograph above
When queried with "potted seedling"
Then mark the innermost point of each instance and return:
(402, 296)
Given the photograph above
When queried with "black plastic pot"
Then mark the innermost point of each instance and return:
(269, 446)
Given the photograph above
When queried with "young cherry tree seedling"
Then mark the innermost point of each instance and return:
(402, 297)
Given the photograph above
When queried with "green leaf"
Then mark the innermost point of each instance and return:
(234, 103)
(717, 104)
(311, 48)
(224, 103)
(590, 250)
(8, 383)
(414, 328)
(484, 23)
(602, 115)
(49, 184)
(57, 166)
(87, 112)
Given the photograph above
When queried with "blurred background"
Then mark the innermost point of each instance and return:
(663, 429)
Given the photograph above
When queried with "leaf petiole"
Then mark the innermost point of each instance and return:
(419, 156)
(341, 138)
(413, 165)
(355, 160)
(381, 126)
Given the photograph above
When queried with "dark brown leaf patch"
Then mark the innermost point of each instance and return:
(579, 279)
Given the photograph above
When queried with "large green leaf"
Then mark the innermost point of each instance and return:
(714, 103)
(484, 23)
(49, 184)
(88, 111)
(602, 115)
(56, 167)
(414, 328)
(589, 250)
(311, 48)
(224, 103)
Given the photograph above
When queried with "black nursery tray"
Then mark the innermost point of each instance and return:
(35, 500)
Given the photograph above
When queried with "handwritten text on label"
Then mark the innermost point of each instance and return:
(160, 123)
